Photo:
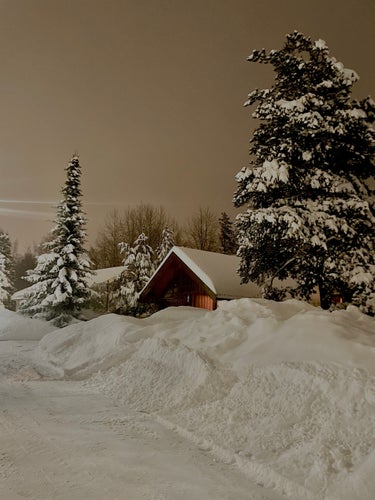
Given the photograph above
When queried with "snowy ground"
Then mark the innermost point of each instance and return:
(62, 441)
(255, 400)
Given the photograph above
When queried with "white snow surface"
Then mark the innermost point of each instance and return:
(105, 275)
(283, 392)
(13, 326)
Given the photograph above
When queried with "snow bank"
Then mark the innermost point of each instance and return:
(13, 326)
(284, 390)
(165, 375)
(79, 350)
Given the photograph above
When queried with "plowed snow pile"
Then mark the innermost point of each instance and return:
(284, 390)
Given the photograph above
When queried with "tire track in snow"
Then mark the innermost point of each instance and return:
(61, 442)
(32, 456)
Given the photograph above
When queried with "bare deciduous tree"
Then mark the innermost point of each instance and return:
(146, 219)
(106, 252)
(203, 230)
(125, 228)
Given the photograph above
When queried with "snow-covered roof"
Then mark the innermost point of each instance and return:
(217, 271)
(106, 275)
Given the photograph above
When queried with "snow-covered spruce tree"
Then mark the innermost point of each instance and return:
(138, 270)
(227, 236)
(6, 269)
(167, 242)
(310, 214)
(42, 278)
(60, 290)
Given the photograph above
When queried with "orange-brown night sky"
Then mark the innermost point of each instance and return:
(150, 94)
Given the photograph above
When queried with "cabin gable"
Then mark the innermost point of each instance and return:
(175, 284)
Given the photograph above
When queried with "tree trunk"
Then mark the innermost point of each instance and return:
(325, 295)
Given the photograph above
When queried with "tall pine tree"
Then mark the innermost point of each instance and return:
(309, 213)
(60, 288)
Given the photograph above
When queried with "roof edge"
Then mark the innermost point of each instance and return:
(179, 251)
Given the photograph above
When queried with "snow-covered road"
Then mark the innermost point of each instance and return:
(62, 440)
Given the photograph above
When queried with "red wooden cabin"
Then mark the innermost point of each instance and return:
(196, 278)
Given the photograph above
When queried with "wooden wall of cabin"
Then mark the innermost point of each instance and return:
(185, 291)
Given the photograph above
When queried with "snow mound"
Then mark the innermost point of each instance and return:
(176, 314)
(164, 375)
(284, 390)
(262, 332)
(13, 326)
(79, 350)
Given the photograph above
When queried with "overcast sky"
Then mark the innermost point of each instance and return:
(149, 92)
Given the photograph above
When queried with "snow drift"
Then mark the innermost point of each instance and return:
(13, 326)
(284, 390)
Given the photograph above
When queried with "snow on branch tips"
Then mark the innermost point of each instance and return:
(60, 278)
(306, 187)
